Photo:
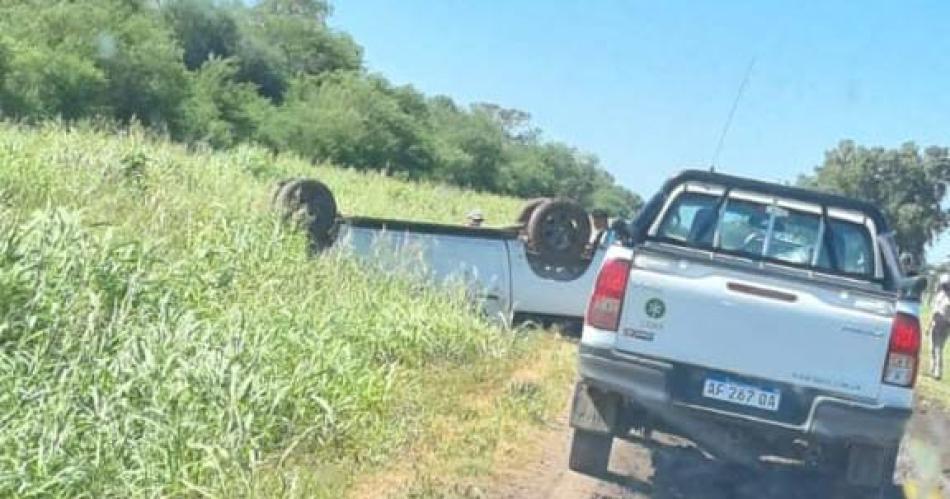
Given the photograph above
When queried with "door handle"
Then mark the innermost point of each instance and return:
(772, 294)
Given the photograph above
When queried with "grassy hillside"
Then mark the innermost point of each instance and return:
(162, 334)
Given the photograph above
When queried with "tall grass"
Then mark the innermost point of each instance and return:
(161, 334)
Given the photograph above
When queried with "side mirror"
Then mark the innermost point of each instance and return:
(912, 288)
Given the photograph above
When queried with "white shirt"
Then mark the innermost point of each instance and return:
(942, 304)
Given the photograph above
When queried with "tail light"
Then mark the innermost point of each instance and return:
(603, 312)
(900, 368)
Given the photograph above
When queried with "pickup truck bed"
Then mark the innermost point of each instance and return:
(540, 269)
(492, 263)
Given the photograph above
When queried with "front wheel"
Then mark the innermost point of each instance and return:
(309, 204)
(590, 453)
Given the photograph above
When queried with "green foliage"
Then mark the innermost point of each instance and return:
(298, 28)
(284, 39)
(145, 74)
(203, 28)
(908, 184)
(348, 119)
(163, 336)
(80, 59)
(222, 111)
(45, 83)
(272, 72)
(470, 146)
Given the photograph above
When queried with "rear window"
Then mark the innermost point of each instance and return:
(852, 249)
(680, 222)
(769, 232)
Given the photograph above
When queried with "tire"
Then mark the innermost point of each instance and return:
(559, 232)
(277, 190)
(529, 206)
(590, 453)
(885, 487)
(309, 204)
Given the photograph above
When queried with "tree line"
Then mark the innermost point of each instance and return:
(223, 72)
(272, 72)
(908, 184)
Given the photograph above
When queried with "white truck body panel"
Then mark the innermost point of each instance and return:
(751, 324)
(535, 294)
(480, 265)
(495, 272)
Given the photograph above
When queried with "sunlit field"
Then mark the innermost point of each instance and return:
(162, 334)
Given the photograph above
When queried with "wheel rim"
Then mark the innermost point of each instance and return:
(557, 232)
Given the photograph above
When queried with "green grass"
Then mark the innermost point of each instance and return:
(162, 335)
(483, 421)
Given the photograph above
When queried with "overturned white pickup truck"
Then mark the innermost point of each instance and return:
(757, 320)
(539, 269)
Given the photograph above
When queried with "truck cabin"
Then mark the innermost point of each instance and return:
(740, 220)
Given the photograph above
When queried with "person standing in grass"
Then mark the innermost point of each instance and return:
(939, 325)
(475, 218)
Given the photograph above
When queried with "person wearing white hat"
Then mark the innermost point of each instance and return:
(939, 325)
(475, 218)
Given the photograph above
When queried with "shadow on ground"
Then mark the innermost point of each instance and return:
(681, 471)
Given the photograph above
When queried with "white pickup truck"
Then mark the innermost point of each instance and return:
(539, 269)
(756, 320)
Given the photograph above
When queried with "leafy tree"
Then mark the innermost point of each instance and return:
(348, 119)
(283, 39)
(203, 28)
(220, 110)
(259, 64)
(515, 123)
(470, 147)
(75, 59)
(146, 77)
(44, 83)
(316, 10)
(906, 183)
(4, 59)
(616, 200)
(272, 71)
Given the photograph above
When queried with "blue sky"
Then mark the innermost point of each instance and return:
(647, 86)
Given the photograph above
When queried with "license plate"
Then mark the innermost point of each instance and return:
(741, 394)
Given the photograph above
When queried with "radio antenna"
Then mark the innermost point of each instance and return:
(732, 112)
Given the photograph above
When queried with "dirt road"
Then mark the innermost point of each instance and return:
(672, 468)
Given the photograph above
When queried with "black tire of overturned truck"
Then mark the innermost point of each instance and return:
(559, 232)
(590, 453)
(309, 204)
(528, 208)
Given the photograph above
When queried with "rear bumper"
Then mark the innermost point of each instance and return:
(646, 383)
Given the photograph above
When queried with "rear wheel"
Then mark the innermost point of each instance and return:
(869, 472)
(590, 453)
(559, 232)
(529, 206)
(310, 205)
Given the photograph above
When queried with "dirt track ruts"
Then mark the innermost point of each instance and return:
(672, 468)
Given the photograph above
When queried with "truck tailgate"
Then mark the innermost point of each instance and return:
(756, 326)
